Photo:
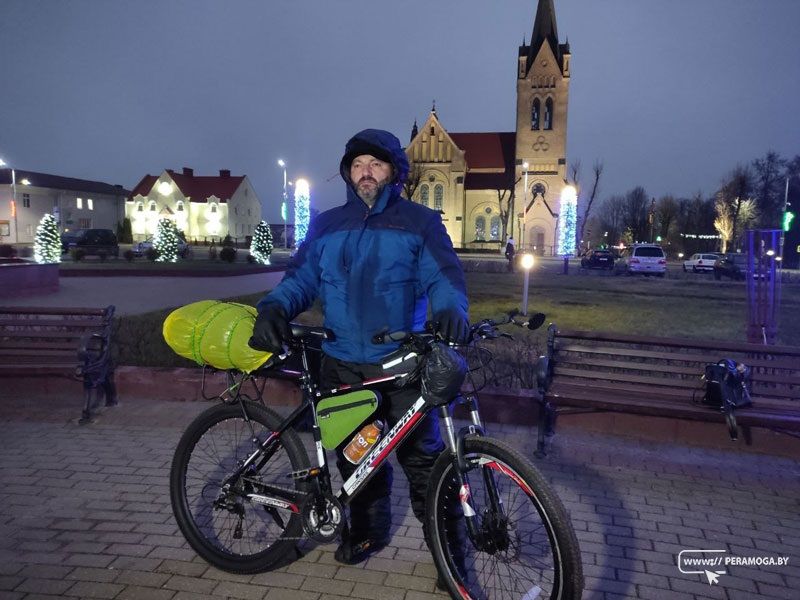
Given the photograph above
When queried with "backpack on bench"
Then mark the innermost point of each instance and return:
(726, 389)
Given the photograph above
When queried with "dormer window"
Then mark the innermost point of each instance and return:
(152, 206)
(213, 207)
(179, 206)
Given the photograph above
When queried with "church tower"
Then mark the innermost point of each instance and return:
(543, 74)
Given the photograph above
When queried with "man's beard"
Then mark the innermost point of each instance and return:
(369, 193)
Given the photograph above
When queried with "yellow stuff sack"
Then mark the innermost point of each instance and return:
(215, 333)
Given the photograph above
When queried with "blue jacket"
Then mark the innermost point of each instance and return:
(373, 269)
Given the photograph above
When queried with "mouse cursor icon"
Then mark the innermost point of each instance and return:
(712, 577)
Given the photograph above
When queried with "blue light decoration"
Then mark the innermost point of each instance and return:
(568, 221)
(302, 201)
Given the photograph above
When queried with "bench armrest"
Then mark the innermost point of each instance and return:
(544, 373)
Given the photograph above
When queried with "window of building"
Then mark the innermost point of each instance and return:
(423, 194)
(90, 204)
(152, 206)
(5, 228)
(213, 207)
(236, 210)
(84, 223)
(79, 202)
(140, 206)
(535, 111)
(29, 230)
(548, 114)
(179, 206)
(26, 200)
(480, 228)
(438, 196)
(494, 228)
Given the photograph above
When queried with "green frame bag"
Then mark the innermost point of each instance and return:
(339, 416)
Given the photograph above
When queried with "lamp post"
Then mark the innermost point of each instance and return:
(282, 164)
(527, 264)
(13, 199)
(524, 204)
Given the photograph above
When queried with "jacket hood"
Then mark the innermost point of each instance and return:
(382, 145)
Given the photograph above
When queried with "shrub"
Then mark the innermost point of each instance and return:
(227, 241)
(128, 255)
(251, 260)
(212, 252)
(228, 254)
(7, 251)
(78, 254)
(151, 254)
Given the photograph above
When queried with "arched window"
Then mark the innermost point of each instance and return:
(140, 206)
(438, 196)
(423, 194)
(152, 206)
(548, 114)
(480, 228)
(213, 207)
(494, 228)
(535, 111)
(179, 206)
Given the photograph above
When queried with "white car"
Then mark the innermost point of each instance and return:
(701, 262)
(647, 259)
(141, 248)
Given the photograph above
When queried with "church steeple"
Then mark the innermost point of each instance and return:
(414, 131)
(544, 30)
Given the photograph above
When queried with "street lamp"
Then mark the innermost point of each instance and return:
(527, 265)
(524, 204)
(13, 199)
(282, 164)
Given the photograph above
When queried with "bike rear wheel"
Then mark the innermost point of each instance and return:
(236, 535)
(526, 550)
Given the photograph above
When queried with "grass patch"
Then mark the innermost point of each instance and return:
(681, 307)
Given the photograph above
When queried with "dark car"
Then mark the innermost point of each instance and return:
(598, 259)
(68, 239)
(94, 242)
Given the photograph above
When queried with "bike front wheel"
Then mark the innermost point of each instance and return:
(225, 527)
(520, 546)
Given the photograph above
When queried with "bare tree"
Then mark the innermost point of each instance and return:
(597, 171)
(413, 180)
(506, 200)
(667, 210)
(727, 216)
(636, 212)
(768, 188)
(736, 189)
(611, 218)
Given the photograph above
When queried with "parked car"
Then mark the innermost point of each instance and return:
(701, 262)
(598, 259)
(68, 239)
(734, 266)
(94, 242)
(141, 248)
(647, 259)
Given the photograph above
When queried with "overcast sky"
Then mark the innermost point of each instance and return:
(669, 94)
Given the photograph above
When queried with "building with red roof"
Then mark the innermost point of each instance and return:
(493, 185)
(204, 207)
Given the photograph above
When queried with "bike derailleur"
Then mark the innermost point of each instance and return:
(323, 518)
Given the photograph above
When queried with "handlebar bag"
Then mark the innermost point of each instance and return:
(339, 416)
(442, 375)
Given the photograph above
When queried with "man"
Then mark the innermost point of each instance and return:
(510, 252)
(375, 263)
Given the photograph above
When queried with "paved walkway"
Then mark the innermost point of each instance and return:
(85, 513)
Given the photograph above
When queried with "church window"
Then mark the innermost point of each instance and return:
(179, 206)
(480, 228)
(548, 114)
(535, 109)
(539, 189)
(423, 194)
(494, 228)
(438, 196)
(433, 132)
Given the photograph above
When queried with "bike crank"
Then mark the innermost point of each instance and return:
(323, 518)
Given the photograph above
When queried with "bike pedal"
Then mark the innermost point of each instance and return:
(305, 474)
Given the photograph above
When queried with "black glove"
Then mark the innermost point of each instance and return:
(271, 329)
(452, 325)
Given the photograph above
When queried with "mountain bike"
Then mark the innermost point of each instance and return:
(244, 491)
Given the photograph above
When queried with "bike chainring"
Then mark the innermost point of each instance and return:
(323, 518)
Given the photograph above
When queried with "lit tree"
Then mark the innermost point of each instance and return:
(47, 245)
(165, 241)
(302, 201)
(261, 246)
(568, 221)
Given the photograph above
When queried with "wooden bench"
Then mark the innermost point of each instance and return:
(65, 342)
(597, 371)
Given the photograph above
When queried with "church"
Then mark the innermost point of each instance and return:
(492, 185)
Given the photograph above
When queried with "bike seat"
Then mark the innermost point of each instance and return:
(308, 333)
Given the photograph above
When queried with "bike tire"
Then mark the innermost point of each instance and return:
(552, 569)
(206, 454)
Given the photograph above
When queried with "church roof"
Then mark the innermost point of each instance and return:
(544, 30)
(56, 182)
(198, 188)
(487, 150)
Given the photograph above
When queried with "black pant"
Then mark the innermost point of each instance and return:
(416, 454)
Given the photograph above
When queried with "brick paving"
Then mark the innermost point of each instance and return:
(86, 514)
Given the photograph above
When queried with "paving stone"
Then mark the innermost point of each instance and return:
(134, 592)
(233, 589)
(91, 589)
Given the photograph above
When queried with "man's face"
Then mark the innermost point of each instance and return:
(369, 175)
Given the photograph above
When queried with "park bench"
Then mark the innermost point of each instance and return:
(65, 342)
(599, 371)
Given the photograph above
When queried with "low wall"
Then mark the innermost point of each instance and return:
(21, 278)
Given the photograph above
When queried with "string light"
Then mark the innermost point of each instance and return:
(261, 246)
(47, 244)
(302, 201)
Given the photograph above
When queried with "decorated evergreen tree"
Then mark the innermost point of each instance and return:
(302, 200)
(261, 246)
(47, 245)
(165, 241)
